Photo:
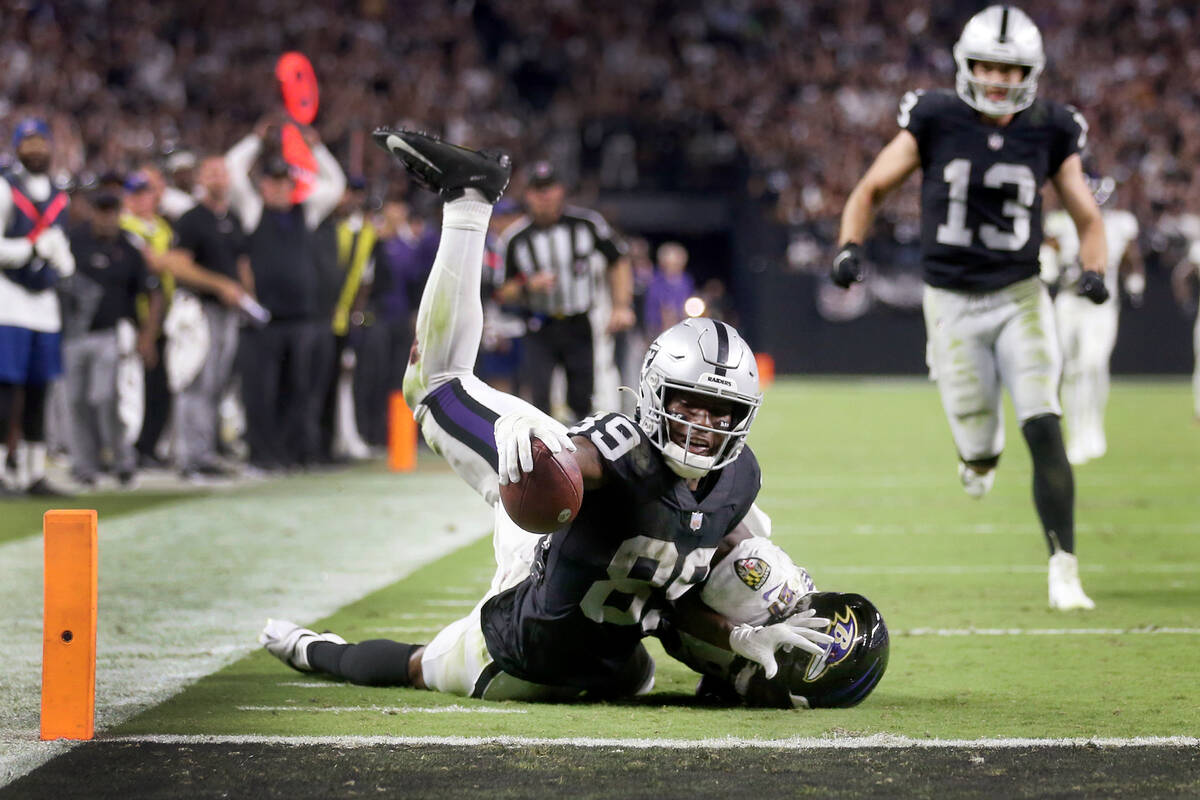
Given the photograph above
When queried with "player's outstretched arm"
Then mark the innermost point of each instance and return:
(756, 643)
(1077, 199)
(590, 462)
(898, 159)
(515, 432)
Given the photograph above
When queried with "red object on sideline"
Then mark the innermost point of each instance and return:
(298, 85)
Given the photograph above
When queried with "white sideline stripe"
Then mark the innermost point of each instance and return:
(1048, 631)
(1040, 569)
(974, 529)
(175, 605)
(879, 740)
(319, 684)
(454, 709)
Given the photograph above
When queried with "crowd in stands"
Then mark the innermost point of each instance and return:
(790, 99)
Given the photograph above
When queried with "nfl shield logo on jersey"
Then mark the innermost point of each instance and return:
(697, 520)
(995, 141)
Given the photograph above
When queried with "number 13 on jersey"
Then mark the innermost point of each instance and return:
(954, 230)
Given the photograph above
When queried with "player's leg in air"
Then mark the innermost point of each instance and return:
(457, 412)
(1030, 365)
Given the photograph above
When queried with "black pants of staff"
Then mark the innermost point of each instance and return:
(381, 356)
(157, 396)
(329, 353)
(279, 393)
(567, 342)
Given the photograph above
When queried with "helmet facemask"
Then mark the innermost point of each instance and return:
(683, 461)
(999, 35)
(974, 90)
(707, 360)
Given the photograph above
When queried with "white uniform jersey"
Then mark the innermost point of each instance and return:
(1120, 230)
(19, 307)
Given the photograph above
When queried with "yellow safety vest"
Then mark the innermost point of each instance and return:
(354, 251)
(158, 236)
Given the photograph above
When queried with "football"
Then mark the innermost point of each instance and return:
(547, 498)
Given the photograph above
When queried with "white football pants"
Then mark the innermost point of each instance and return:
(979, 343)
(1087, 333)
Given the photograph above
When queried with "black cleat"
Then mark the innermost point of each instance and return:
(446, 168)
(43, 488)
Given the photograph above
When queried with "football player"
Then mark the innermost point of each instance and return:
(1183, 273)
(984, 151)
(34, 254)
(566, 613)
(1087, 332)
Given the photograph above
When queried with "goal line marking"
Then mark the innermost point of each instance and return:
(880, 740)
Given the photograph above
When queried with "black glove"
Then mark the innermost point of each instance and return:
(1091, 286)
(846, 267)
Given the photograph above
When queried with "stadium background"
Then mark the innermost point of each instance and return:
(736, 128)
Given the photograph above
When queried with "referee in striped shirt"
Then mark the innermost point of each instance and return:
(555, 258)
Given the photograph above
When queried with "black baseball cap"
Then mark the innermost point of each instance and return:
(542, 174)
(277, 167)
(105, 200)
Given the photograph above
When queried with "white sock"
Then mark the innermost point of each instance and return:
(450, 317)
(21, 456)
(37, 461)
(469, 212)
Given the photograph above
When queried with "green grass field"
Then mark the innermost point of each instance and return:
(860, 482)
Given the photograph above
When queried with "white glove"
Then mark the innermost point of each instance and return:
(759, 642)
(514, 450)
(53, 247)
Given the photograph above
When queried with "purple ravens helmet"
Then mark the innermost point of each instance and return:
(846, 671)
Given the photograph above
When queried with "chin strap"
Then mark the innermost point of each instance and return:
(687, 465)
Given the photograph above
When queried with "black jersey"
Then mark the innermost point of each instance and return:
(598, 586)
(981, 204)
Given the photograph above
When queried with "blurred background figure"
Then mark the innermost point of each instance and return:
(282, 403)
(669, 289)
(503, 325)
(1088, 332)
(100, 311)
(34, 254)
(552, 259)
(1185, 282)
(212, 245)
(153, 235)
(179, 195)
(356, 240)
(404, 257)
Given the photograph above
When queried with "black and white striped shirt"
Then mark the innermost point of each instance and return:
(576, 249)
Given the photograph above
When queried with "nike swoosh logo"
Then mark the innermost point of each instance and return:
(394, 142)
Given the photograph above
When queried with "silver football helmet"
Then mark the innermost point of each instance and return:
(1006, 35)
(704, 357)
